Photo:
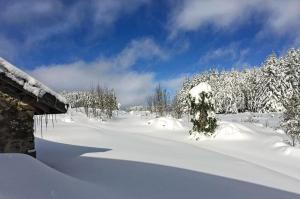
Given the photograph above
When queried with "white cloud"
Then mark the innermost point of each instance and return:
(20, 12)
(37, 20)
(107, 11)
(192, 14)
(173, 84)
(280, 16)
(114, 72)
(139, 49)
(284, 15)
(233, 53)
(227, 53)
(31, 12)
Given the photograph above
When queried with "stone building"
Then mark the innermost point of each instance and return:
(22, 97)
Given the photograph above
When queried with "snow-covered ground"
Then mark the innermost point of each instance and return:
(138, 156)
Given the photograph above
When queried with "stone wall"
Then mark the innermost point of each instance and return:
(16, 126)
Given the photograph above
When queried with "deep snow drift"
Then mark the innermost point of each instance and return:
(138, 156)
(22, 176)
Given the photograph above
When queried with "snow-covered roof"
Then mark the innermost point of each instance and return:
(32, 86)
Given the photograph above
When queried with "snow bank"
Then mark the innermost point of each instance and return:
(270, 120)
(25, 177)
(168, 123)
(202, 87)
(286, 149)
(229, 131)
(140, 113)
(26, 81)
(67, 119)
(224, 131)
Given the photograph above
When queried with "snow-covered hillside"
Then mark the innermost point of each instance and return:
(137, 156)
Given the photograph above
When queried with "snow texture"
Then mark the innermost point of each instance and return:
(25, 177)
(168, 123)
(129, 159)
(26, 81)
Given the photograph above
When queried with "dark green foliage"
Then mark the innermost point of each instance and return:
(203, 118)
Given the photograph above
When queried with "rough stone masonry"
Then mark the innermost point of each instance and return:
(16, 126)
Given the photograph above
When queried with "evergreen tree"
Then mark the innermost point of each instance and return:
(291, 119)
(182, 96)
(202, 109)
(250, 88)
(290, 94)
(290, 76)
(269, 100)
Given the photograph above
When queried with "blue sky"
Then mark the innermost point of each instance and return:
(132, 45)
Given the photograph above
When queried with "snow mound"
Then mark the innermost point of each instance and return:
(167, 123)
(224, 131)
(94, 119)
(286, 149)
(67, 119)
(25, 177)
(140, 113)
(229, 131)
(198, 136)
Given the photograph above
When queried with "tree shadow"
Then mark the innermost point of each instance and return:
(147, 181)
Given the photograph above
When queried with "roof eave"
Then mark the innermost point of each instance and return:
(47, 104)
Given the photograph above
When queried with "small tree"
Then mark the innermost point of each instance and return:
(158, 102)
(176, 107)
(202, 109)
(291, 119)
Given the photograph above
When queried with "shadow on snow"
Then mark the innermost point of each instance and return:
(144, 180)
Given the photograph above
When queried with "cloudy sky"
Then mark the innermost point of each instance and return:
(132, 45)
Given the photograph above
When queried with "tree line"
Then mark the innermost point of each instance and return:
(272, 87)
(267, 88)
(98, 102)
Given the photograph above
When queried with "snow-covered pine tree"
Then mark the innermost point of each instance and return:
(227, 93)
(291, 119)
(238, 82)
(219, 94)
(290, 94)
(250, 88)
(233, 99)
(270, 85)
(182, 96)
(202, 109)
(290, 76)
